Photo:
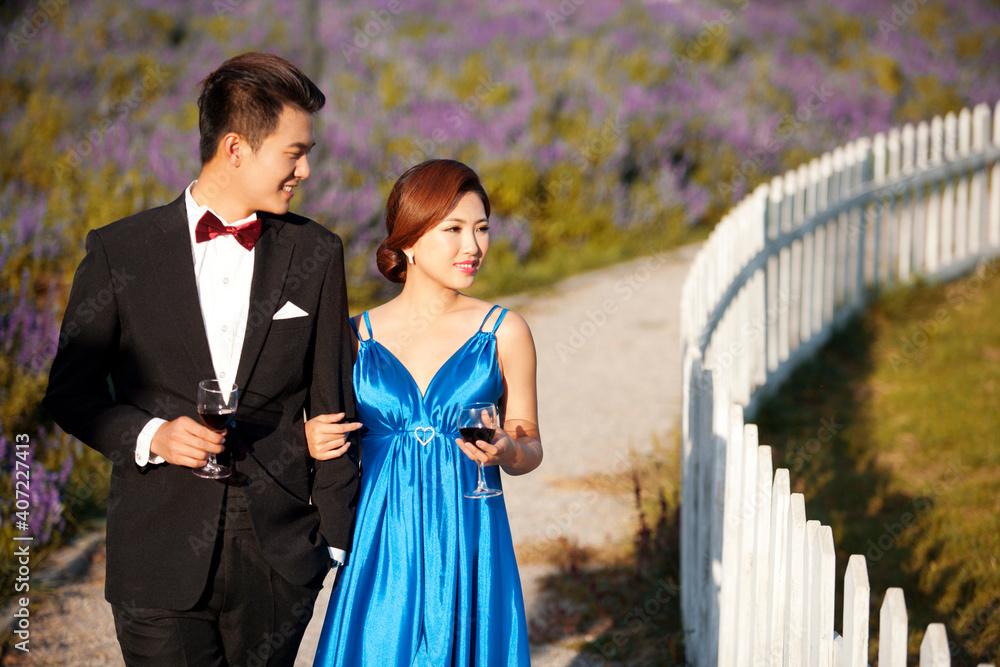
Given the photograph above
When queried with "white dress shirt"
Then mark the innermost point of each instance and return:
(223, 271)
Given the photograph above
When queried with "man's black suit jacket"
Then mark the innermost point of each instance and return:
(133, 346)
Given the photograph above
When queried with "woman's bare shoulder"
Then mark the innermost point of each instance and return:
(514, 330)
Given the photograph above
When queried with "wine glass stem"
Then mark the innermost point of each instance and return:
(482, 482)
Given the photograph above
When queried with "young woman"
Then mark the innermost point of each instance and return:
(432, 579)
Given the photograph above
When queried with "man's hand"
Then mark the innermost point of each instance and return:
(327, 436)
(185, 442)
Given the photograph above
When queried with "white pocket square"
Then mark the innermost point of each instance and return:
(288, 311)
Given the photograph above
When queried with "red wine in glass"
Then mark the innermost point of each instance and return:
(216, 406)
(217, 420)
(478, 421)
(474, 433)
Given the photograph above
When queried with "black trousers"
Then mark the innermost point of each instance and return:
(248, 616)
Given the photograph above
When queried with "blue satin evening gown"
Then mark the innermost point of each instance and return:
(431, 579)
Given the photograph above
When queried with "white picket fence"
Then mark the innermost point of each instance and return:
(779, 273)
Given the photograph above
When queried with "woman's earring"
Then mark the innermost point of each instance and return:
(409, 258)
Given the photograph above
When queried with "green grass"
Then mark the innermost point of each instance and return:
(910, 477)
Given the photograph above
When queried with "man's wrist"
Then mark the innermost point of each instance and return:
(144, 443)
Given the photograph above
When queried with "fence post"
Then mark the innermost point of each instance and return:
(809, 304)
(920, 228)
(773, 639)
(729, 601)
(788, 204)
(773, 219)
(879, 155)
(762, 555)
(838, 227)
(826, 244)
(810, 621)
(796, 304)
(919, 198)
(795, 300)
(823, 598)
(783, 303)
(892, 630)
(747, 514)
(690, 398)
(907, 233)
(934, 647)
(856, 599)
(962, 238)
(863, 153)
(977, 194)
(744, 365)
(950, 145)
(794, 631)
(774, 205)
(758, 295)
(807, 263)
(933, 244)
(950, 137)
(994, 223)
(715, 459)
(894, 235)
(801, 191)
(847, 230)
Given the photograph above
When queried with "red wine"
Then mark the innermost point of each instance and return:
(473, 433)
(218, 419)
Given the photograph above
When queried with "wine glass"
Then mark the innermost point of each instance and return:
(477, 421)
(217, 408)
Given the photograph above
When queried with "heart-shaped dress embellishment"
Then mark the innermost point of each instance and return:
(424, 434)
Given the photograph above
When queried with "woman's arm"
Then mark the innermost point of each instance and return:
(517, 447)
(328, 436)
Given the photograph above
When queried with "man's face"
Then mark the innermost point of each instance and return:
(269, 175)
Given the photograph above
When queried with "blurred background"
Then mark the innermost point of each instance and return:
(602, 130)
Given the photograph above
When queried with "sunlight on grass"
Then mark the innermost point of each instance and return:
(910, 479)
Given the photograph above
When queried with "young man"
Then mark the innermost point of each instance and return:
(224, 283)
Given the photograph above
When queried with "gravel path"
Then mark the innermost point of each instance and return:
(609, 378)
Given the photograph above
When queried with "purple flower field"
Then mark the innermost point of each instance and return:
(602, 129)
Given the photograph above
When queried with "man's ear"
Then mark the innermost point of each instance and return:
(231, 149)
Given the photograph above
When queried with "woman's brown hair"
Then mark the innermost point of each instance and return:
(422, 197)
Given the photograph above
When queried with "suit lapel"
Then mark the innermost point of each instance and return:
(270, 267)
(171, 258)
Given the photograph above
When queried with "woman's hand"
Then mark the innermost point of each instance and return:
(518, 453)
(502, 451)
(327, 436)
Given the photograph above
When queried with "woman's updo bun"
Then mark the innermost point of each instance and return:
(391, 263)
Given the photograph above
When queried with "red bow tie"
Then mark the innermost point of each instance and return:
(210, 226)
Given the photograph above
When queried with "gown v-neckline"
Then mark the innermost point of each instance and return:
(413, 380)
(423, 394)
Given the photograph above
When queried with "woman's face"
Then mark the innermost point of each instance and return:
(452, 251)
